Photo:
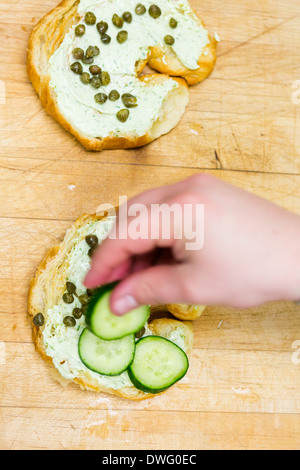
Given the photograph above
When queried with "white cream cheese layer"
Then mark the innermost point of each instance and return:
(76, 100)
(62, 342)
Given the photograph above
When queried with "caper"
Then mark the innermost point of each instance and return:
(122, 36)
(140, 333)
(90, 292)
(90, 18)
(77, 313)
(39, 320)
(71, 288)
(140, 9)
(127, 16)
(68, 298)
(96, 82)
(77, 68)
(85, 78)
(88, 60)
(96, 51)
(92, 240)
(114, 95)
(129, 100)
(105, 38)
(95, 70)
(69, 321)
(117, 21)
(102, 27)
(169, 40)
(78, 53)
(80, 30)
(154, 11)
(123, 115)
(101, 98)
(84, 299)
(173, 23)
(90, 52)
(91, 252)
(105, 78)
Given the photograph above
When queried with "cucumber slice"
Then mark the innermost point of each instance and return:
(104, 324)
(158, 364)
(106, 357)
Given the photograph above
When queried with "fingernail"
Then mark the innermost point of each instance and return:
(124, 305)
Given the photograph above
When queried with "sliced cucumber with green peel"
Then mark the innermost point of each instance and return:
(106, 357)
(158, 363)
(104, 324)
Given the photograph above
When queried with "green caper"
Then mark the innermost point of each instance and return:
(154, 11)
(101, 98)
(77, 313)
(123, 115)
(88, 60)
(122, 36)
(102, 27)
(92, 240)
(80, 30)
(96, 82)
(68, 298)
(39, 320)
(117, 21)
(90, 292)
(114, 95)
(91, 252)
(90, 18)
(169, 40)
(85, 78)
(84, 299)
(78, 53)
(77, 68)
(105, 78)
(129, 100)
(71, 288)
(105, 38)
(69, 321)
(95, 70)
(173, 23)
(140, 333)
(90, 52)
(140, 9)
(127, 16)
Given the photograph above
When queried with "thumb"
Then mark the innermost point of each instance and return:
(156, 285)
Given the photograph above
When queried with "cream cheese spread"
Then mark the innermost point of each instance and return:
(76, 100)
(62, 342)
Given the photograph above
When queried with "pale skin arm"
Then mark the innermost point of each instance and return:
(251, 253)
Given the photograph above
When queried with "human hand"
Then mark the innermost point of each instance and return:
(250, 253)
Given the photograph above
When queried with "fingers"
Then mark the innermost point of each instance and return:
(108, 261)
(112, 260)
(156, 285)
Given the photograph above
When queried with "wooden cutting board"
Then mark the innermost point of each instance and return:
(243, 387)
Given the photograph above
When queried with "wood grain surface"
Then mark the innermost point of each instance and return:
(243, 387)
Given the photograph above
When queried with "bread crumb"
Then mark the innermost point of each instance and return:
(241, 391)
(192, 131)
(71, 187)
